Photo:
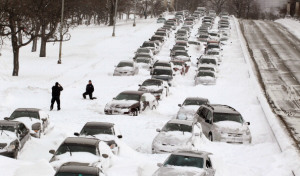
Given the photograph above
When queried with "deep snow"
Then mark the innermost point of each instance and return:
(91, 55)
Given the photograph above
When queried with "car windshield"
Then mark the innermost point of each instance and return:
(189, 161)
(213, 46)
(177, 127)
(6, 128)
(201, 74)
(152, 83)
(206, 68)
(143, 50)
(181, 32)
(148, 45)
(178, 48)
(142, 60)
(208, 61)
(143, 55)
(161, 19)
(73, 174)
(177, 63)
(213, 34)
(18, 114)
(181, 54)
(64, 148)
(94, 130)
(162, 72)
(160, 33)
(125, 64)
(213, 53)
(181, 44)
(127, 96)
(227, 117)
(156, 38)
(203, 36)
(162, 64)
(194, 102)
(181, 38)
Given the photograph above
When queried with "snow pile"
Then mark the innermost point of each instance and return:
(292, 26)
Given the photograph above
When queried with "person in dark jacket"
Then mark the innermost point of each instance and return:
(56, 95)
(89, 91)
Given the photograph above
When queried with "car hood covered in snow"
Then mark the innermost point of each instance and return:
(174, 138)
(28, 122)
(187, 112)
(150, 88)
(121, 103)
(182, 171)
(231, 127)
(6, 137)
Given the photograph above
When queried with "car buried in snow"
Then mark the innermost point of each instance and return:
(105, 131)
(90, 151)
(223, 123)
(13, 137)
(189, 107)
(205, 78)
(161, 64)
(144, 51)
(208, 60)
(36, 120)
(126, 68)
(180, 66)
(131, 103)
(161, 20)
(189, 163)
(176, 48)
(207, 67)
(163, 73)
(156, 87)
(151, 45)
(216, 53)
(177, 134)
(144, 62)
(78, 169)
(182, 56)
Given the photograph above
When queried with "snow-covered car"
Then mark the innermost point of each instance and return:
(105, 131)
(182, 43)
(182, 33)
(151, 45)
(161, 20)
(189, 163)
(131, 102)
(91, 151)
(205, 78)
(163, 73)
(78, 169)
(13, 136)
(208, 60)
(203, 37)
(144, 62)
(177, 48)
(177, 134)
(215, 52)
(223, 123)
(181, 38)
(214, 35)
(161, 64)
(126, 68)
(160, 40)
(180, 66)
(156, 87)
(207, 67)
(36, 120)
(189, 107)
(213, 45)
(187, 28)
(144, 51)
(162, 33)
(182, 56)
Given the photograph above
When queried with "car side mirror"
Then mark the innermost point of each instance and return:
(76, 134)
(114, 98)
(248, 123)
(52, 151)
(6, 118)
(157, 130)
(120, 136)
(159, 164)
(105, 155)
(140, 85)
(179, 105)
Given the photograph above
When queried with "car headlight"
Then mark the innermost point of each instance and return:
(11, 147)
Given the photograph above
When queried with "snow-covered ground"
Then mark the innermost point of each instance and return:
(91, 55)
(292, 25)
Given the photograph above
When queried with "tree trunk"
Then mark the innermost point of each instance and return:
(14, 43)
(19, 33)
(111, 15)
(34, 45)
(43, 42)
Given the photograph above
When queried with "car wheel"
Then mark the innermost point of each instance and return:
(210, 137)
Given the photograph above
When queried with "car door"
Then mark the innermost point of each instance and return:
(209, 167)
(23, 134)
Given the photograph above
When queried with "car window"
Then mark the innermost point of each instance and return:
(199, 111)
(209, 115)
(18, 114)
(22, 128)
(208, 163)
(204, 113)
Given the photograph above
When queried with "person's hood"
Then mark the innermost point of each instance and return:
(6, 137)
(121, 103)
(150, 88)
(124, 69)
(28, 122)
(173, 138)
(231, 127)
(179, 171)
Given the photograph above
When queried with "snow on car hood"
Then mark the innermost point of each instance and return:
(81, 157)
(7, 137)
(179, 171)
(28, 122)
(151, 88)
(124, 69)
(183, 58)
(121, 103)
(231, 126)
(174, 138)
(187, 112)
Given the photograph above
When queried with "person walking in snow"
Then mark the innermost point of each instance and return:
(89, 91)
(56, 95)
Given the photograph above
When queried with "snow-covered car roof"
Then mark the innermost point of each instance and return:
(208, 57)
(162, 68)
(223, 109)
(28, 109)
(79, 168)
(106, 124)
(126, 61)
(196, 98)
(184, 122)
(192, 153)
(81, 140)
(214, 50)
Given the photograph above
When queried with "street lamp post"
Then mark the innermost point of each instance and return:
(134, 24)
(61, 28)
(115, 19)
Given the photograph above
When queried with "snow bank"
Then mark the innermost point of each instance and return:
(283, 139)
(292, 26)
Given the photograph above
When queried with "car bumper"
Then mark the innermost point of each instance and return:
(244, 139)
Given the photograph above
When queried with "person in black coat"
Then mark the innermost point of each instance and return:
(89, 91)
(56, 95)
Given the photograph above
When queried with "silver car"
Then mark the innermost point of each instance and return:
(205, 77)
(223, 123)
(187, 163)
(126, 68)
(189, 107)
(177, 134)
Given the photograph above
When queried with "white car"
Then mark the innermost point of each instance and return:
(91, 151)
(126, 68)
(144, 51)
(205, 78)
(105, 131)
(208, 60)
(151, 45)
(189, 107)
(205, 67)
(156, 87)
(177, 134)
(34, 119)
(216, 53)
(144, 62)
